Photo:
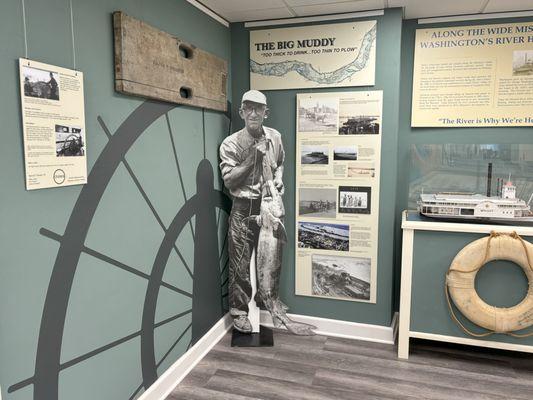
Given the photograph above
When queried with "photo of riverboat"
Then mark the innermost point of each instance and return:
(522, 62)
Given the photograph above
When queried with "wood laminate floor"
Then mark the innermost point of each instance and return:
(325, 368)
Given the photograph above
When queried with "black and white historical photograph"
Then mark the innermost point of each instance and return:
(354, 199)
(359, 116)
(41, 83)
(314, 154)
(318, 114)
(363, 170)
(317, 202)
(345, 153)
(69, 141)
(523, 62)
(316, 235)
(359, 125)
(339, 276)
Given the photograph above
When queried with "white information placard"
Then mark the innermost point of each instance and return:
(338, 147)
(313, 56)
(53, 120)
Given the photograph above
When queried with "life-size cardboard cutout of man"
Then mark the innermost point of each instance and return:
(252, 169)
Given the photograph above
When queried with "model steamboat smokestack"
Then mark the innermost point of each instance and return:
(489, 179)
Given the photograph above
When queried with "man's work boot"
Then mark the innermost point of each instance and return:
(242, 324)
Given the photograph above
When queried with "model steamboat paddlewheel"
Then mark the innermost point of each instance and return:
(460, 285)
(206, 208)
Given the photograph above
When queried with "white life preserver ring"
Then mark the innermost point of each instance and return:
(460, 282)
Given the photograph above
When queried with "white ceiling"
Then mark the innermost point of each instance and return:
(253, 10)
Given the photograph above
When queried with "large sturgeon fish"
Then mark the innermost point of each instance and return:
(272, 236)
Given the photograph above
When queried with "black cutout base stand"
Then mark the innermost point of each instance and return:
(265, 338)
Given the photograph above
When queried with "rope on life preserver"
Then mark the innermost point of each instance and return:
(466, 299)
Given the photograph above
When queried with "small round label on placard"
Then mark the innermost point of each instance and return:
(59, 176)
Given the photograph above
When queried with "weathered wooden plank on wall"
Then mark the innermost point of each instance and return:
(154, 64)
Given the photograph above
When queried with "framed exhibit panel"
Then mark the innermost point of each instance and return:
(333, 55)
(338, 145)
(53, 119)
(478, 75)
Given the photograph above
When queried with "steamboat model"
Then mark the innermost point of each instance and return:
(505, 208)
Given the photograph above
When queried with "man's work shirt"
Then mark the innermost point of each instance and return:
(235, 149)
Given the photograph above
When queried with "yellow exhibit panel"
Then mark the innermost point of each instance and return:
(473, 76)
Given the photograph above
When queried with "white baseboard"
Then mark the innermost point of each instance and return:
(162, 388)
(345, 329)
(472, 342)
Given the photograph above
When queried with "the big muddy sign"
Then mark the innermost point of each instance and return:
(313, 56)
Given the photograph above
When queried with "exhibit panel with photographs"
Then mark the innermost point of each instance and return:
(333, 55)
(53, 119)
(478, 75)
(337, 177)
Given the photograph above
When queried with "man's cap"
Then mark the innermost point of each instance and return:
(255, 96)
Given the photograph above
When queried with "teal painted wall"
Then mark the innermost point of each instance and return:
(283, 117)
(409, 136)
(106, 302)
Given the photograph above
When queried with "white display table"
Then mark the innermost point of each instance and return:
(412, 222)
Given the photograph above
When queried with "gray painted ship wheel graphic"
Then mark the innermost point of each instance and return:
(210, 265)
